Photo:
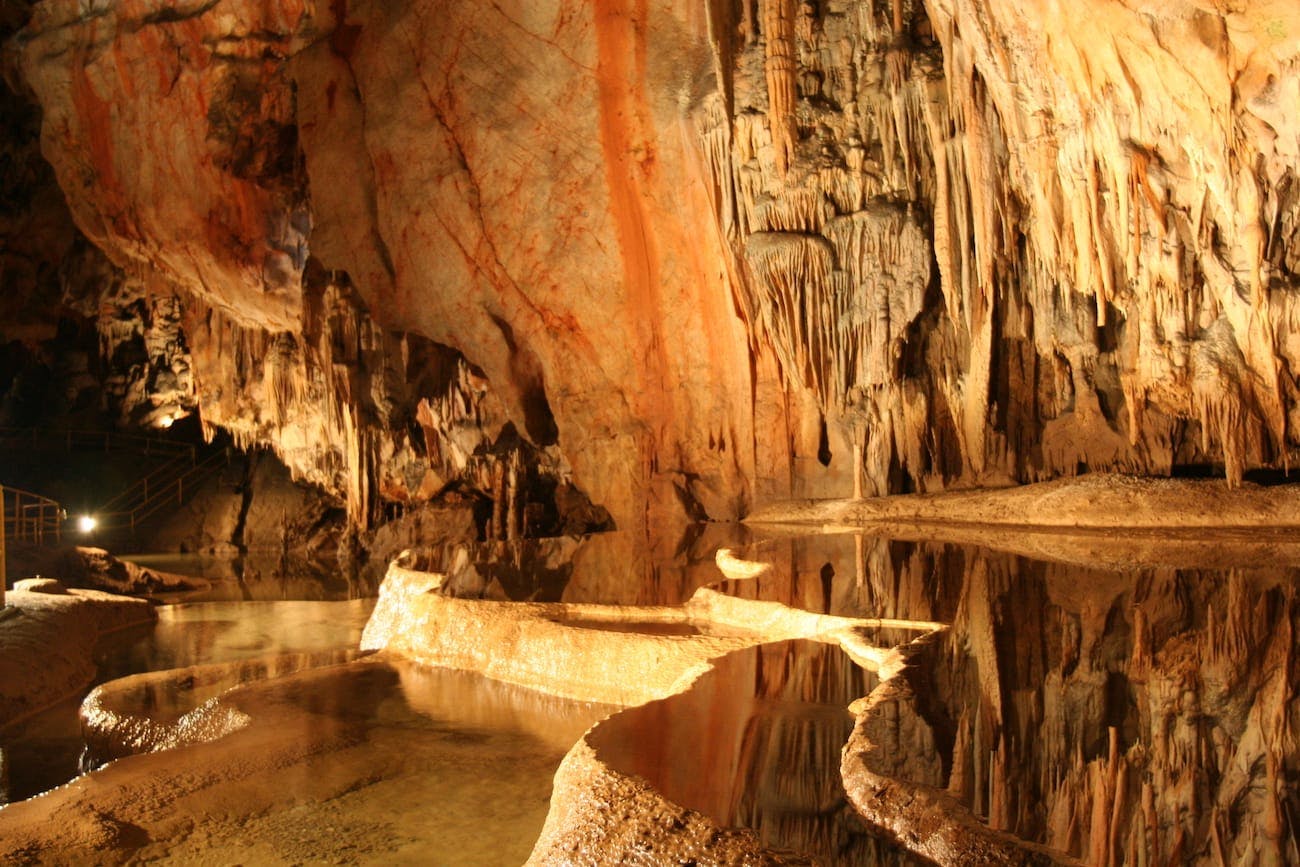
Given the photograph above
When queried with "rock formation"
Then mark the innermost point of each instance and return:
(1109, 284)
(622, 263)
(686, 257)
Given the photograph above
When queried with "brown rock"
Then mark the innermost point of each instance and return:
(702, 256)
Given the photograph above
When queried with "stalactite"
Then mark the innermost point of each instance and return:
(328, 402)
(780, 66)
(1072, 231)
(283, 386)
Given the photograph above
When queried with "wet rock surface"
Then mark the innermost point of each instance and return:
(48, 644)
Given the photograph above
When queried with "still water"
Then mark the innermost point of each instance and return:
(1126, 699)
(763, 732)
(1119, 700)
(46, 750)
(256, 575)
(380, 762)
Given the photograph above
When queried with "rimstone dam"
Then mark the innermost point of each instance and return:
(655, 432)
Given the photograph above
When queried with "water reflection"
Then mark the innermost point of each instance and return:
(1126, 701)
(443, 766)
(1145, 714)
(46, 750)
(756, 744)
(257, 575)
(376, 762)
(614, 568)
(41, 752)
(204, 632)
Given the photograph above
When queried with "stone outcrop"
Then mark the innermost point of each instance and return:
(92, 569)
(48, 644)
(315, 148)
(994, 250)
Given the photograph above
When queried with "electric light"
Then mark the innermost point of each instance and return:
(86, 523)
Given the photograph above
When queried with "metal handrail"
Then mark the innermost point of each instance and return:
(31, 517)
(105, 440)
(159, 477)
(160, 495)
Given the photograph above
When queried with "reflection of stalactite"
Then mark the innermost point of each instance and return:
(497, 528)
(1144, 714)
(509, 497)
(514, 497)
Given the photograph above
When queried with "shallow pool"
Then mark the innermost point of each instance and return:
(46, 750)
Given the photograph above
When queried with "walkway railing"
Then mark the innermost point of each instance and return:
(165, 486)
(180, 468)
(31, 517)
(26, 517)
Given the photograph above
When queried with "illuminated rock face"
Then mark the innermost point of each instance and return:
(1107, 193)
(566, 251)
(699, 255)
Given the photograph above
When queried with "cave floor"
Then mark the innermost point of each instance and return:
(375, 762)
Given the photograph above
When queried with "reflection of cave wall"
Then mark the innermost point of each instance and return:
(766, 725)
(1192, 669)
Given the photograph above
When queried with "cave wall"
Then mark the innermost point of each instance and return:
(418, 150)
(698, 255)
(1007, 242)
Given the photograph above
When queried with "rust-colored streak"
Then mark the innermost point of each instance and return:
(628, 142)
(96, 119)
